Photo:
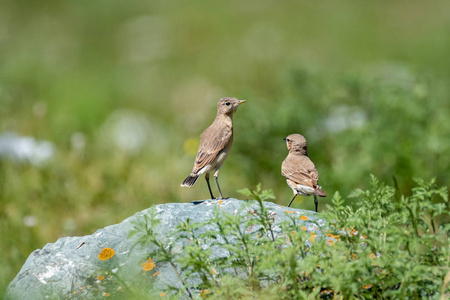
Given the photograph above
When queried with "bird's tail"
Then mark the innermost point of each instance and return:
(320, 192)
(190, 180)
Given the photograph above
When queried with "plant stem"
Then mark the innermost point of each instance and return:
(181, 279)
(435, 246)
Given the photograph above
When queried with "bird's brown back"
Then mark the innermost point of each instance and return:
(216, 138)
(300, 169)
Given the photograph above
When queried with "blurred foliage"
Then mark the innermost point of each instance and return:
(122, 88)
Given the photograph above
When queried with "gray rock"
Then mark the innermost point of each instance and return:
(71, 268)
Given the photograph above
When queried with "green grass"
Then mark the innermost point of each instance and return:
(68, 69)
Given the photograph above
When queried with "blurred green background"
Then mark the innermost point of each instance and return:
(113, 95)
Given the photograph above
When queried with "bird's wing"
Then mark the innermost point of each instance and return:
(300, 169)
(212, 142)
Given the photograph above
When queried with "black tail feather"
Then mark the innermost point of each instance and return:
(190, 180)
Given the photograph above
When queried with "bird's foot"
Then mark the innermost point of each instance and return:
(222, 198)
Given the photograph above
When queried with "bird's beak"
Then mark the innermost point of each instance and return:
(241, 101)
(284, 139)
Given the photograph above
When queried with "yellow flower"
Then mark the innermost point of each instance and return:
(162, 294)
(106, 254)
(220, 202)
(304, 228)
(100, 277)
(304, 218)
(148, 265)
(290, 211)
(106, 294)
(157, 274)
(204, 293)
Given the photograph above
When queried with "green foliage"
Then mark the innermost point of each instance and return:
(263, 218)
(257, 194)
(386, 246)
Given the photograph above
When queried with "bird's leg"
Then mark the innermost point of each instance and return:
(316, 202)
(216, 176)
(209, 187)
(295, 195)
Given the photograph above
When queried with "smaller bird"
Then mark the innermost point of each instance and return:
(300, 172)
(215, 144)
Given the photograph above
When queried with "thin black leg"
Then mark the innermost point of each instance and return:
(316, 202)
(209, 187)
(218, 187)
(292, 200)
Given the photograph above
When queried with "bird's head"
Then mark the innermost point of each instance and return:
(296, 143)
(228, 105)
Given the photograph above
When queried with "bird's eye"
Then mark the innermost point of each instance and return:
(227, 103)
(288, 140)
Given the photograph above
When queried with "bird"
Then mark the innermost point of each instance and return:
(300, 172)
(215, 144)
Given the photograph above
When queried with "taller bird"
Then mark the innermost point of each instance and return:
(300, 172)
(215, 144)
